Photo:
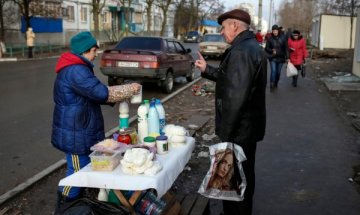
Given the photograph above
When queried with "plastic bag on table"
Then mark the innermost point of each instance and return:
(226, 178)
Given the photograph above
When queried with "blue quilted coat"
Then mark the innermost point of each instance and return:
(78, 123)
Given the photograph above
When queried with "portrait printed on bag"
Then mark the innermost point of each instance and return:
(222, 170)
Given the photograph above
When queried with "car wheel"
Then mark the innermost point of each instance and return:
(168, 84)
(191, 75)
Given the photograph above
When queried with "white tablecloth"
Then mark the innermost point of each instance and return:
(173, 164)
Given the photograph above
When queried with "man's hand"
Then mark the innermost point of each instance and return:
(200, 63)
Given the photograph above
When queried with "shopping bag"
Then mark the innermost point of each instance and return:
(86, 206)
(226, 178)
(291, 70)
(303, 70)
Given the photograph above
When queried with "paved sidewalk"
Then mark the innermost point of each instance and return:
(306, 159)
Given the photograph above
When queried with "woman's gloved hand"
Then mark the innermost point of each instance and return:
(119, 93)
(136, 88)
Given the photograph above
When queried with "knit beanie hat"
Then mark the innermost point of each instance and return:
(275, 27)
(82, 42)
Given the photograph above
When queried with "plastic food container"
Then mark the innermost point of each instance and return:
(101, 161)
(149, 141)
(162, 144)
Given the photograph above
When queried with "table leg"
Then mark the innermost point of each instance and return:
(124, 201)
(128, 203)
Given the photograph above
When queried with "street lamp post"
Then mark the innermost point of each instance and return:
(270, 16)
(260, 15)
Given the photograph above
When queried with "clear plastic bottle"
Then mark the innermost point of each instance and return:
(161, 112)
(142, 122)
(153, 120)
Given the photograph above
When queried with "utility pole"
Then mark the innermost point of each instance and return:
(260, 15)
(352, 21)
(270, 16)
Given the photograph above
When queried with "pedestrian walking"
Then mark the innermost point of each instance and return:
(77, 119)
(259, 37)
(276, 48)
(298, 53)
(240, 96)
(30, 37)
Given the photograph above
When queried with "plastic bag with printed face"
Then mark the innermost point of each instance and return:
(226, 178)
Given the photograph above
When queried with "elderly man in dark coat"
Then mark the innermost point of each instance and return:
(240, 96)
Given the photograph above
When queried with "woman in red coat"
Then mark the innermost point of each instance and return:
(298, 52)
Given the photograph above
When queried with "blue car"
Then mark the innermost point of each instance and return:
(192, 36)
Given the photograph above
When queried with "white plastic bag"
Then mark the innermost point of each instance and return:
(220, 181)
(291, 70)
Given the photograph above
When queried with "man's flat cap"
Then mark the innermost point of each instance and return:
(235, 14)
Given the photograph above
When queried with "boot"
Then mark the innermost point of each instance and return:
(61, 201)
(294, 81)
(272, 87)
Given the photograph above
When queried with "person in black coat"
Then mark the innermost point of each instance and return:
(276, 48)
(240, 96)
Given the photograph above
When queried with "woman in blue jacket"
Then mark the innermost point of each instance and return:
(78, 123)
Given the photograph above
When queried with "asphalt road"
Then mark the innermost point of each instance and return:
(26, 117)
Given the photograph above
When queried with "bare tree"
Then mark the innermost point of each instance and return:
(97, 6)
(24, 7)
(127, 14)
(30, 8)
(2, 25)
(164, 6)
(149, 5)
(205, 8)
(180, 17)
(297, 15)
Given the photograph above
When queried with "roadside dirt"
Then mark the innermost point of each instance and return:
(331, 63)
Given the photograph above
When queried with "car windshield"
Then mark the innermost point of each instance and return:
(140, 43)
(213, 38)
(192, 33)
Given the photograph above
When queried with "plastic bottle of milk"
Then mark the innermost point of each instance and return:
(142, 123)
(161, 111)
(153, 121)
(147, 104)
(124, 115)
(103, 196)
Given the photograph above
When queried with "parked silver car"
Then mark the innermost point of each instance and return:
(213, 45)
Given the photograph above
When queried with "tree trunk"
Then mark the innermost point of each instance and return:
(191, 15)
(148, 14)
(127, 18)
(27, 14)
(352, 21)
(163, 24)
(95, 5)
(2, 29)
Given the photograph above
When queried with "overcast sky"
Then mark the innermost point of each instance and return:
(229, 4)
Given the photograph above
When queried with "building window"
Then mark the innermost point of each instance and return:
(70, 13)
(83, 14)
(105, 17)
